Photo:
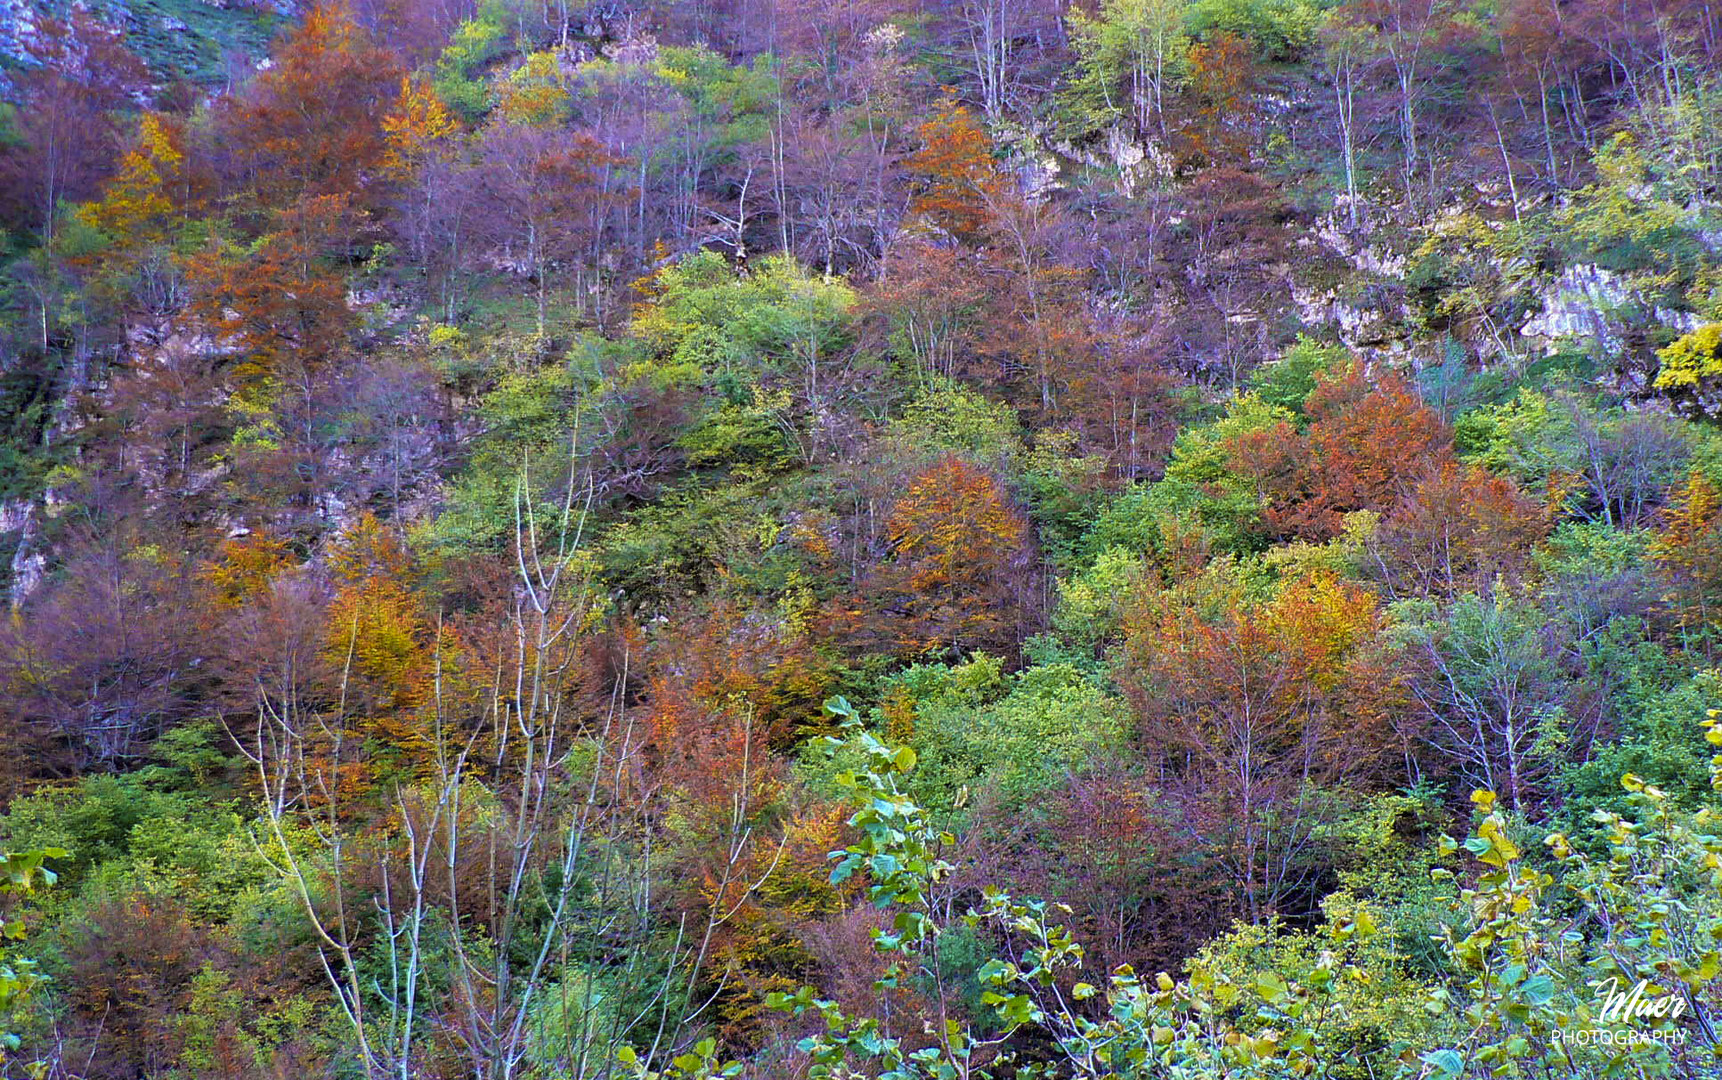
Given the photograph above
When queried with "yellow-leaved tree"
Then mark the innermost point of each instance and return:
(1691, 369)
(1688, 549)
(140, 202)
(378, 638)
(418, 123)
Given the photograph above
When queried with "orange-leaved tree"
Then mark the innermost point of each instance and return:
(958, 177)
(1222, 71)
(1459, 529)
(282, 298)
(954, 577)
(933, 300)
(1258, 710)
(1688, 550)
(310, 123)
(1368, 445)
(773, 904)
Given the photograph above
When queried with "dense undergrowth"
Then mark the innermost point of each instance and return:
(788, 540)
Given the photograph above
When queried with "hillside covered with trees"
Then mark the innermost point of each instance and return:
(675, 539)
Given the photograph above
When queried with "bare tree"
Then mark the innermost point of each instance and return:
(1492, 695)
(1344, 51)
(106, 660)
(525, 842)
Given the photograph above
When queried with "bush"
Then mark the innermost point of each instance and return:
(1279, 29)
(1051, 720)
(1090, 607)
(1287, 382)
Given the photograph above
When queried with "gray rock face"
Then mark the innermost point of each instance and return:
(29, 562)
(16, 514)
(1372, 328)
(1366, 330)
(1583, 302)
(1594, 305)
(18, 21)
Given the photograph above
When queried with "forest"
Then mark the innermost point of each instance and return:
(860, 539)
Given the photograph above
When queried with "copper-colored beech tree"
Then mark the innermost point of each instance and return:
(311, 124)
(1460, 528)
(952, 581)
(1254, 710)
(1369, 443)
(959, 177)
(282, 301)
(1688, 550)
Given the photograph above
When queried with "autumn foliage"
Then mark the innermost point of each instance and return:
(282, 303)
(1256, 707)
(637, 540)
(950, 581)
(311, 126)
(77, 78)
(1367, 446)
(380, 642)
(1460, 528)
(1688, 549)
(414, 127)
(1223, 72)
(960, 179)
(147, 190)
